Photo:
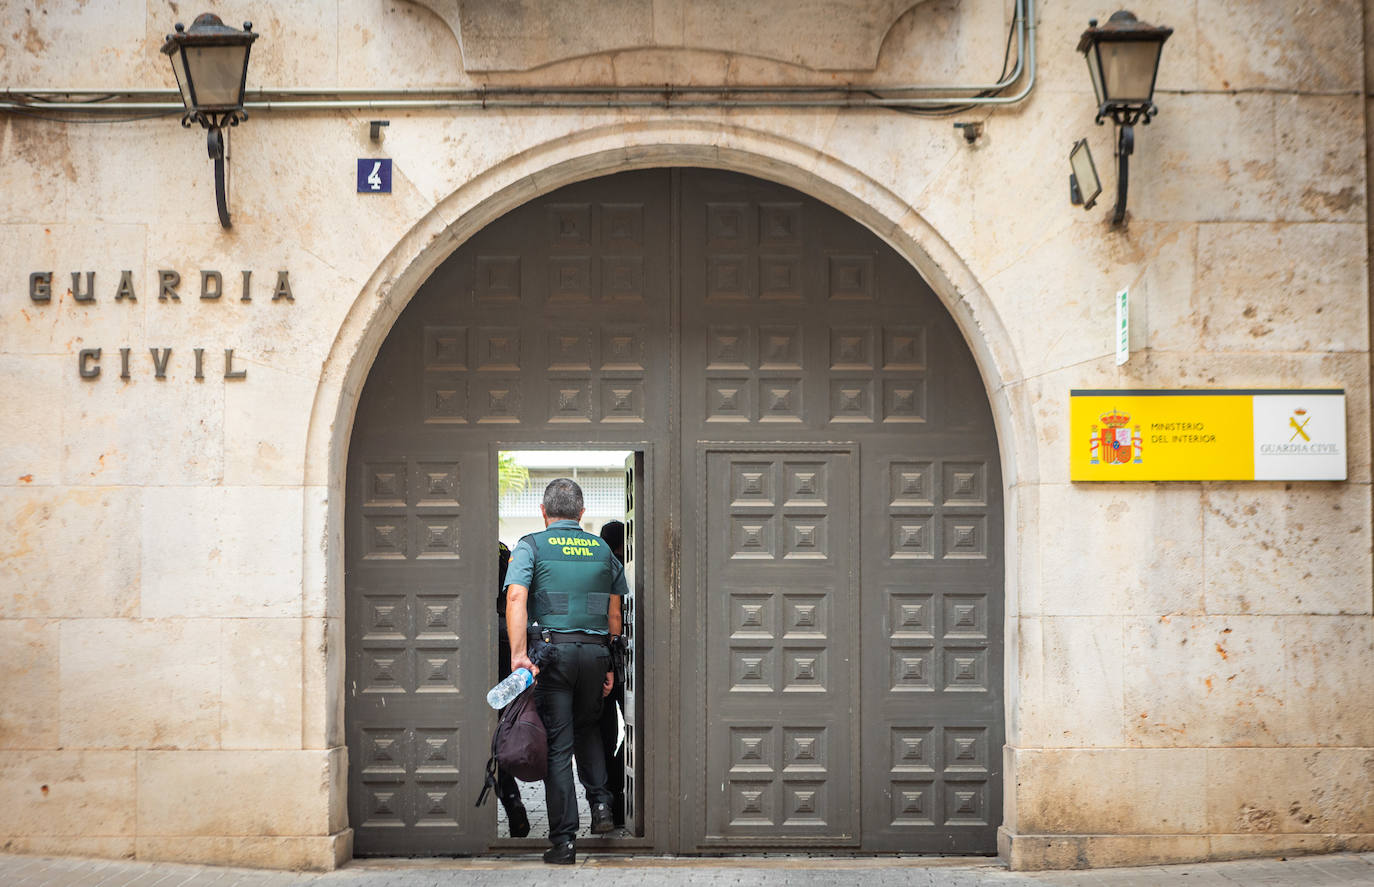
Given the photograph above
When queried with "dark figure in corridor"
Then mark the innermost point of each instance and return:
(614, 534)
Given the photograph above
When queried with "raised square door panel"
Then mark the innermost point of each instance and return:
(779, 669)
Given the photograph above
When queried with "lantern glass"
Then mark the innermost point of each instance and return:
(1095, 71)
(179, 68)
(1128, 70)
(216, 75)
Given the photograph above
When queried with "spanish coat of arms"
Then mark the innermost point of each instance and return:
(1116, 442)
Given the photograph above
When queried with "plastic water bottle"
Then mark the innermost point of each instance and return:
(504, 693)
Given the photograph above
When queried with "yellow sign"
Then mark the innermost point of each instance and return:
(1153, 435)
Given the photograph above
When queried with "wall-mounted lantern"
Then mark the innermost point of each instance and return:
(1123, 60)
(210, 60)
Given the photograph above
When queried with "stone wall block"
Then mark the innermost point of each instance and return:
(140, 683)
(1282, 287)
(62, 325)
(265, 426)
(95, 570)
(237, 552)
(221, 793)
(32, 386)
(1204, 158)
(66, 794)
(1250, 845)
(1030, 714)
(1321, 157)
(909, 164)
(322, 690)
(1111, 791)
(179, 438)
(1165, 297)
(261, 684)
(1061, 310)
(1008, 229)
(1290, 790)
(1024, 594)
(1329, 680)
(459, 139)
(382, 42)
(1024, 852)
(110, 33)
(1287, 548)
(1203, 681)
(29, 698)
(1077, 700)
(337, 766)
(35, 188)
(127, 173)
(311, 854)
(1109, 549)
(943, 205)
(70, 845)
(1280, 44)
(324, 528)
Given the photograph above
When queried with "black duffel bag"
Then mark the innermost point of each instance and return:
(520, 746)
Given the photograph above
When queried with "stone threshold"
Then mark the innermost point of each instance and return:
(615, 861)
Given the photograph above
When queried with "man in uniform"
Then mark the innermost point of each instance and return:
(564, 587)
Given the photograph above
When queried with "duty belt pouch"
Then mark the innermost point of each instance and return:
(520, 746)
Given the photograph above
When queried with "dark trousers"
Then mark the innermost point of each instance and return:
(507, 789)
(615, 757)
(568, 696)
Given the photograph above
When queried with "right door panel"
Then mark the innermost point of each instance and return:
(806, 340)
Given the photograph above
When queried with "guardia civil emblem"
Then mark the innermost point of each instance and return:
(1116, 442)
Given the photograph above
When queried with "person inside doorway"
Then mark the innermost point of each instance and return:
(564, 587)
(507, 789)
(614, 534)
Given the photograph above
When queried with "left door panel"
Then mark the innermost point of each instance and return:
(413, 673)
(548, 327)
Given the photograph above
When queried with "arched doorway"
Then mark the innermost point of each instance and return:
(820, 611)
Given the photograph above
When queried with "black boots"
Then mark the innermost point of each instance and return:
(519, 821)
(602, 821)
(561, 854)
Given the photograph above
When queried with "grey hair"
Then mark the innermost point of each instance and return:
(563, 499)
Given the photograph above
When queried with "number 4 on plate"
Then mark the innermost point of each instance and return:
(374, 175)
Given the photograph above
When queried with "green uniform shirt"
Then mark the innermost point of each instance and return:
(571, 575)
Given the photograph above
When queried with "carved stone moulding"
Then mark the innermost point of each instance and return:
(520, 35)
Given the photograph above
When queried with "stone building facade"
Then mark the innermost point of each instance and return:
(246, 470)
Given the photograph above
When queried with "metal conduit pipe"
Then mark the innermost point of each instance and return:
(524, 97)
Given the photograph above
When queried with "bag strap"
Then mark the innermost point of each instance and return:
(489, 784)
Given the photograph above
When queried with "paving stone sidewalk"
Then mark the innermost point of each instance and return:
(603, 871)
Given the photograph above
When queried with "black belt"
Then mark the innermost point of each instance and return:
(574, 637)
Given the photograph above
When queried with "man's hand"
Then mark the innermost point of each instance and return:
(608, 685)
(520, 660)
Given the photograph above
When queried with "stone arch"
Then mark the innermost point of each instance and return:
(602, 151)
